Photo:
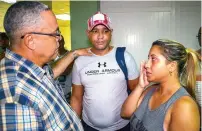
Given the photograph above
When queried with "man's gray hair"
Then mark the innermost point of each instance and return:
(22, 15)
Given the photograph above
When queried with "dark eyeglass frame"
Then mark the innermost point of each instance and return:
(57, 34)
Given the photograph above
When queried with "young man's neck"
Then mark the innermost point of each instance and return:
(101, 52)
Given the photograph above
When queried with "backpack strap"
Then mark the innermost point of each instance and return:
(121, 60)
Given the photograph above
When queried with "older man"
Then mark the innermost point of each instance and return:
(30, 99)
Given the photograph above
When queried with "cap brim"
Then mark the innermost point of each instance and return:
(100, 24)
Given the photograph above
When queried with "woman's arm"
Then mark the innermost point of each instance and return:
(131, 103)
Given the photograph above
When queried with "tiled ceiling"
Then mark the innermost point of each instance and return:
(58, 7)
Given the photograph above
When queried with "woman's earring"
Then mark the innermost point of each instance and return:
(170, 72)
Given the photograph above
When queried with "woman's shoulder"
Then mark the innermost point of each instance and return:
(184, 102)
(184, 112)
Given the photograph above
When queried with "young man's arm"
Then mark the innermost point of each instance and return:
(132, 83)
(77, 99)
(133, 72)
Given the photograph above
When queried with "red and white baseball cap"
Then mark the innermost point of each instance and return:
(99, 19)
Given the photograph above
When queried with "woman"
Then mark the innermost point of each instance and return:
(169, 104)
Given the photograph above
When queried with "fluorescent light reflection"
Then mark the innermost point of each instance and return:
(63, 17)
(9, 1)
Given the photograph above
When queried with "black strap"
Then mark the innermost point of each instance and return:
(121, 60)
(122, 64)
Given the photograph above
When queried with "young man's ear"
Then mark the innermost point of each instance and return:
(29, 42)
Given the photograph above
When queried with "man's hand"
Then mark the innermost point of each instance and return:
(82, 52)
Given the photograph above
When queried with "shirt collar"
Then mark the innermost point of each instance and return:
(37, 71)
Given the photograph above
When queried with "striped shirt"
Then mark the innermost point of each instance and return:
(199, 85)
(198, 92)
(30, 99)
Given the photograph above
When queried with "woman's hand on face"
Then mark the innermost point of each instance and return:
(143, 82)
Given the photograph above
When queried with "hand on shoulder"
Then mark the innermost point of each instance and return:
(82, 52)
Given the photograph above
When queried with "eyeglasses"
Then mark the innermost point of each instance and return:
(57, 34)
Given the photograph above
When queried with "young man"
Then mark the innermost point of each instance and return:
(30, 99)
(99, 86)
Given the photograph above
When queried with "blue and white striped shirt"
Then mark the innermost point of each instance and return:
(30, 99)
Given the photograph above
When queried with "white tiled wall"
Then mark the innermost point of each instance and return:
(137, 24)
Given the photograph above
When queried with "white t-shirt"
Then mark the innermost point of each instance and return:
(105, 88)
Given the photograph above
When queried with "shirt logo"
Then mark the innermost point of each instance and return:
(105, 64)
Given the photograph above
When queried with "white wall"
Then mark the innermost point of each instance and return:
(137, 24)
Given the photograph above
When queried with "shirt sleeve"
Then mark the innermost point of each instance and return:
(75, 75)
(133, 71)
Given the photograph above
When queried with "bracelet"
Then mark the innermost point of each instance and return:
(74, 54)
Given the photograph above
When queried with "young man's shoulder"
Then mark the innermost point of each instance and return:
(84, 59)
